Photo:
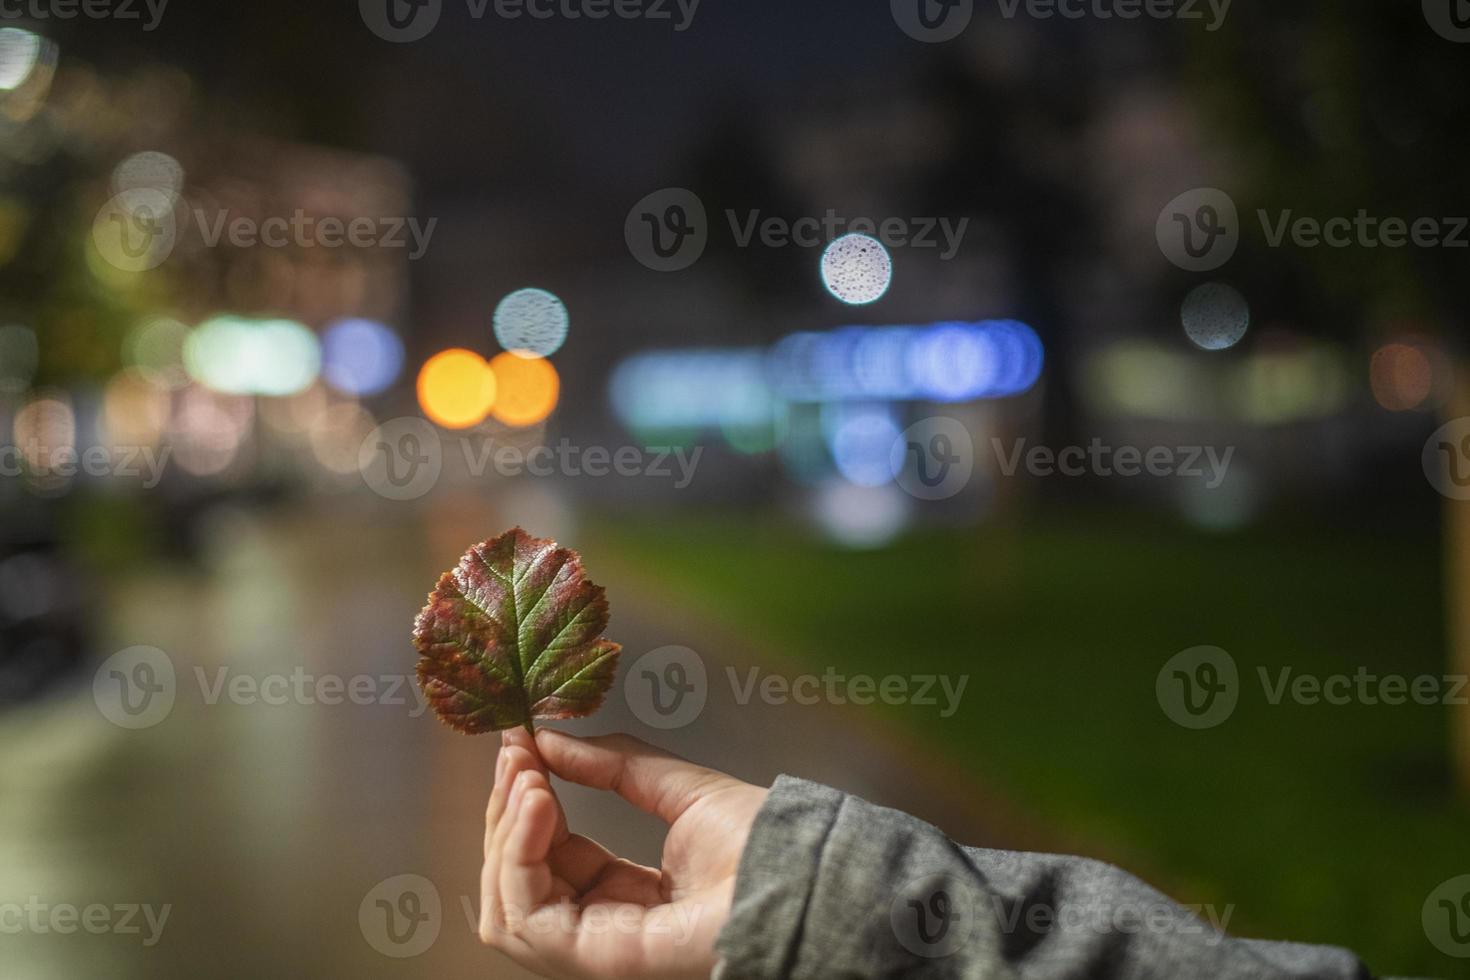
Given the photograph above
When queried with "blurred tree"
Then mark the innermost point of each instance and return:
(1335, 109)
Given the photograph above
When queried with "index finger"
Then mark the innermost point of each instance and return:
(520, 738)
(651, 779)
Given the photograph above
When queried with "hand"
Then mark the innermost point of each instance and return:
(564, 906)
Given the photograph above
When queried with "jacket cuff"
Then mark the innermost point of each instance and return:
(774, 886)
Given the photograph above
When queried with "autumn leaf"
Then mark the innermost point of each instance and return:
(512, 633)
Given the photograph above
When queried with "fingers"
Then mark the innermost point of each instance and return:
(649, 778)
(623, 882)
(525, 875)
(492, 910)
(515, 763)
(513, 760)
(538, 880)
(533, 913)
(580, 862)
(500, 921)
(521, 739)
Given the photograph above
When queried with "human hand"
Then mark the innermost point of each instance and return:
(564, 906)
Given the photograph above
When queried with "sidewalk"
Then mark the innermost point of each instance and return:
(279, 834)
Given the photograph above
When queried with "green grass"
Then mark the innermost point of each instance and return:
(1317, 823)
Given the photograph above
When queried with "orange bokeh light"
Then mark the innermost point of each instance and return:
(456, 388)
(528, 388)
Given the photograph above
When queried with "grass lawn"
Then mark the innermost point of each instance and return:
(1318, 823)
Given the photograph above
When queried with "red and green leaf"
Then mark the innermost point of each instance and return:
(514, 632)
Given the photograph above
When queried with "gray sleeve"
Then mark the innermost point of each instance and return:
(832, 886)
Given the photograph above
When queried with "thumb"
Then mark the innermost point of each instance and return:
(651, 779)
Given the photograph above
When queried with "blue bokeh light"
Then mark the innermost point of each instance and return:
(361, 357)
(947, 363)
(861, 442)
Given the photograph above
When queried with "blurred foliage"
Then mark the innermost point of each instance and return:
(1316, 823)
(1326, 109)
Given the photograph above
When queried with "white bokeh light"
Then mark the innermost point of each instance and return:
(857, 269)
(149, 170)
(19, 52)
(1215, 316)
(861, 518)
(532, 323)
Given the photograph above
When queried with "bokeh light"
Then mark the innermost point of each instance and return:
(678, 390)
(217, 354)
(861, 447)
(861, 517)
(45, 432)
(149, 170)
(753, 439)
(954, 363)
(532, 323)
(880, 365)
(526, 388)
(456, 388)
(237, 356)
(27, 70)
(857, 269)
(288, 358)
(1401, 376)
(1021, 357)
(337, 435)
(943, 362)
(744, 390)
(135, 231)
(134, 411)
(361, 357)
(208, 430)
(1215, 316)
(156, 348)
(1297, 381)
(19, 52)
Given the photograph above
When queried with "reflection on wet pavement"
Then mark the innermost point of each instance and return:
(264, 825)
